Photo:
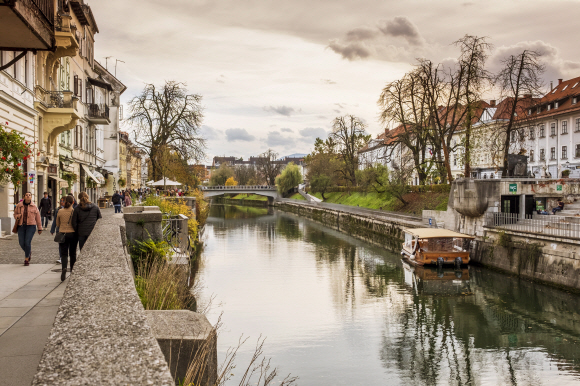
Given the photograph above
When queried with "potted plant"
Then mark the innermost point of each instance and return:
(69, 177)
(566, 173)
(122, 183)
(13, 150)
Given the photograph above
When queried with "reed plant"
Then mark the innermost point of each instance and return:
(163, 286)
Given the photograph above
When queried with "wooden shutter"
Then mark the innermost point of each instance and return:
(76, 85)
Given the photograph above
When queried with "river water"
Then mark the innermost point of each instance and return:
(339, 311)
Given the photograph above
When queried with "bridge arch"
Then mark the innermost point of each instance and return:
(261, 190)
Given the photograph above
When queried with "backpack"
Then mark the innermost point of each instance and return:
(116, 199)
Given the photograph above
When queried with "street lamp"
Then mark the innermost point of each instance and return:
(67, 161)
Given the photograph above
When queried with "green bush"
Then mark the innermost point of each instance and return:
(145, 252)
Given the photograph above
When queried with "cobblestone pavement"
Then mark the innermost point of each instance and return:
(44, 249)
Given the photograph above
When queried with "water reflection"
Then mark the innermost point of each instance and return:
(339, 311)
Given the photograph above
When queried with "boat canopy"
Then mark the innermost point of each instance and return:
(435, 233)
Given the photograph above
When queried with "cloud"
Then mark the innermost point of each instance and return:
(309, 134)
(276, 139)
(210, 133)
(221, 79)
(350, 51)
(556, 66)
(402, 27)
(286, 130)
(239, 135)
(327, 81)
(282, 110)
(382, 41)
(361, 33)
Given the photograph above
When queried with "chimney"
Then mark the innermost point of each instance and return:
(492, 102)
(559, 82)
(551, 85)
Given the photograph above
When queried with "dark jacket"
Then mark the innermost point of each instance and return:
(45, 206)
(84, 219)
(117, 199)
(54, 228)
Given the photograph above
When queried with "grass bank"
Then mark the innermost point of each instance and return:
(249, 197)
(416, 201)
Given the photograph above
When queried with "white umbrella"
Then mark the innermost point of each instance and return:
(149, 182)
(167, 182)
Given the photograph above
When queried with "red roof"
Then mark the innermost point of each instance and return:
(563, 93)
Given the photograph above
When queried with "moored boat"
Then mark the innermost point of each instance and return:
(433, 246)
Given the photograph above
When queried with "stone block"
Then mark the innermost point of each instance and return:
(143, 225)
(133, 209)
(180, 334)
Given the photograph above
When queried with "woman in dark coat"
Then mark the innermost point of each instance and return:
(85, 218)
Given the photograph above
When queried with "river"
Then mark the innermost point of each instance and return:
(339, 311)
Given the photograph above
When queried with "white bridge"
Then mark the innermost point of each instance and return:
(262, 190)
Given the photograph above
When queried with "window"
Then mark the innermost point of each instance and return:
(542, 154)
(556, 104)
(552, 129)
(578, 151)
(564, 127)
(549, 107)
(532, 133)
(574, 100)
(454, 161)
(564, 152)
(531, 156)
(542, 131)
(577, 128)
(513, 136)
(552, 153)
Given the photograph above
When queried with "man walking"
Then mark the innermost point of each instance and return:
(45, 209)
(117, 199)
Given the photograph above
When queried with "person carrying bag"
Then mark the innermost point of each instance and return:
(66, 236)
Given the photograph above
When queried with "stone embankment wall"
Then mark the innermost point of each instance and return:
(101, 334)
(387, 233)
(552, 260)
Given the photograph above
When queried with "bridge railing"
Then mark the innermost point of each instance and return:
(240, 187)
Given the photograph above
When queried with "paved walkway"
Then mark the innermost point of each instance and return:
(44, 250)
(29, 300)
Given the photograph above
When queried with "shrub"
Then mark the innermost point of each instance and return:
(145, 252)
(289, 178)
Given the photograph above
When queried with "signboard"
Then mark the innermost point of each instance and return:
(539, 205)
(430, 222)
(559, 188)
(31, 177)
(513, 188)
(52, 169)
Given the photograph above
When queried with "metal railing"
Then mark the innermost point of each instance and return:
(56, 99)
(240, 187)
(176, 234)
(549, 225)
(46, 9)
(98, 111)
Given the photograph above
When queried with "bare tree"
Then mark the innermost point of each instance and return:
(405, 104)
(349, 135)
(519, 81)
(268, 166)
(245, 174)
(167, 117)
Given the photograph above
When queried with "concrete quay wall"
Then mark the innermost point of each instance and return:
(551, 260)
(387, 233)
(101, 334)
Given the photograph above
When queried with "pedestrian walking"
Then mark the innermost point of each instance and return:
(117, 199)
(45, 207)
(28, 221)
(74, 200)
(67, 237)
(128, 199)
(54, 228)
(85, 218)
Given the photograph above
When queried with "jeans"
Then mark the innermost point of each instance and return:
(118, 208)
(556, 209)
(44, 221)
(68, 248)
(82, 241)
(25, 235)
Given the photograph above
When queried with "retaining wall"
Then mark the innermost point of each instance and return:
(551, 260)
(101, 335)
(382, 232)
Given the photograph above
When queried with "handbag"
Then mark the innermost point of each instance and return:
(60, 237)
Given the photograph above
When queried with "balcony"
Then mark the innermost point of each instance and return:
(99, 114)
(26, 25)
(66, 36)
(60, 111)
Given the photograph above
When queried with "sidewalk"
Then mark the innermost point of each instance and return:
(29, 300)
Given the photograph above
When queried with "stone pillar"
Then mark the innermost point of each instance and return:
(143, 222)
(181, 334)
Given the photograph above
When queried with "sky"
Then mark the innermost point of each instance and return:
(274, 74)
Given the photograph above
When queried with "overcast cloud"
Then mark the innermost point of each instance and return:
(264, 65)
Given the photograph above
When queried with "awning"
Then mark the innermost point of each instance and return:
(86, 169)
(100, 177)
(58, 179)
(100, 83)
